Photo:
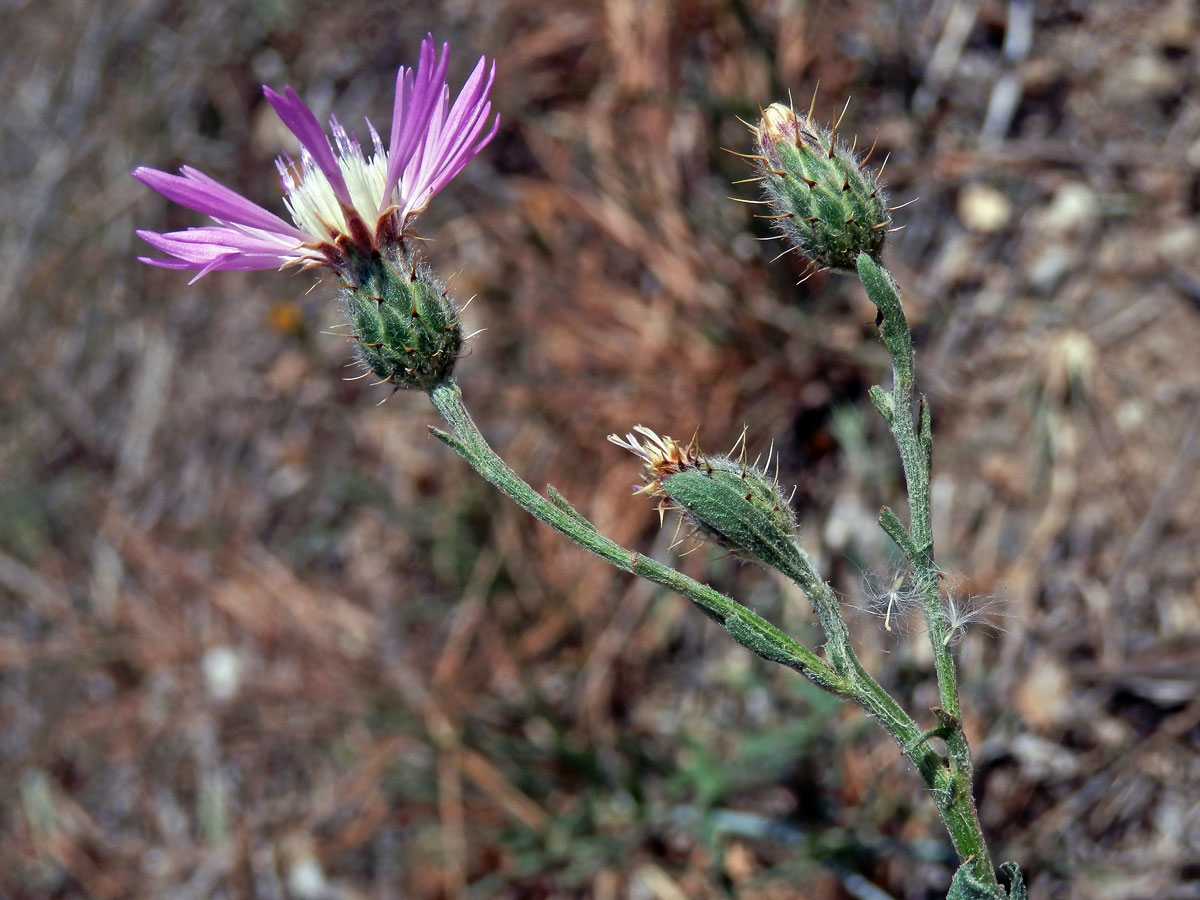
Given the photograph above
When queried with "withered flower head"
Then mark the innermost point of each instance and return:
(726, 500)
(663, 457)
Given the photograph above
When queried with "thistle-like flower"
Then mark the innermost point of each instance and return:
(346, 205)
(351, 212)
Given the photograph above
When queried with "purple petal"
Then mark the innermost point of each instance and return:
(200, 243)
(431, 140)
(464, 155)
(199, 192)
(227, 262)
(300, 119)
(466, 120)
(166, 263)
(412, 110)
(213, 248)
(469, 107)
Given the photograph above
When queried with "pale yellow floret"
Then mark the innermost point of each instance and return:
(315, 207)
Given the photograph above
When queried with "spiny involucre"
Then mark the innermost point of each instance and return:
(824, 201)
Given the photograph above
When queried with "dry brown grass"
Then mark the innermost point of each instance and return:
(439, 699)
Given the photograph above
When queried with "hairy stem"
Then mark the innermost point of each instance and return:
(845, 678)
(746, 626)
(913, 435)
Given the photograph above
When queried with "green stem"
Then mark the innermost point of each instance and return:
(848, 679)
(913, 436)
(949, 784)
(746, 627)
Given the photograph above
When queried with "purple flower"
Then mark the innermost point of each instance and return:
(343, 202)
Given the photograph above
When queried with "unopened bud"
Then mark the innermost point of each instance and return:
(728, 501)
(406, 327)
(823, 200)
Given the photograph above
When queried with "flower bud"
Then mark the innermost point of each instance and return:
(824, 201)
(406, 327)
(726, 500)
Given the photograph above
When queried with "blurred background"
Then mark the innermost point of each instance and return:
(262, 637)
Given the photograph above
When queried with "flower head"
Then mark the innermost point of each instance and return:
(824, 202)
(345, 203)
(728, 501)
